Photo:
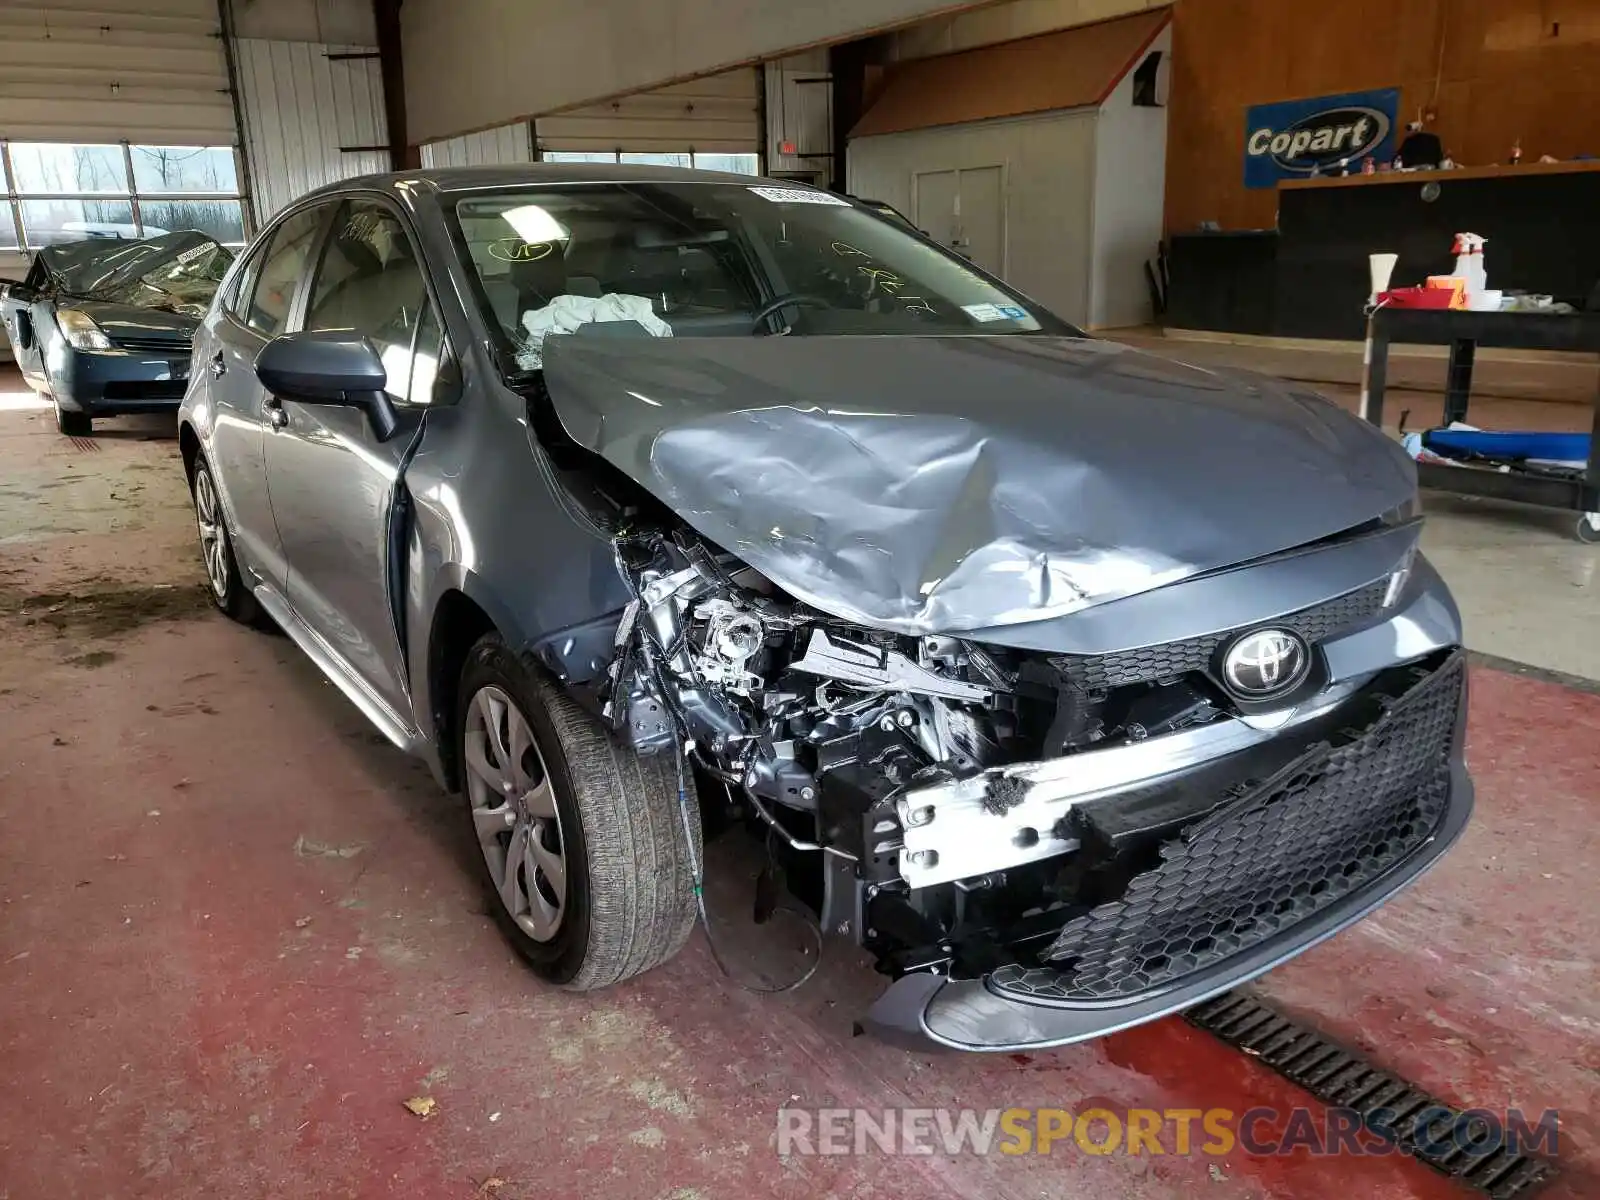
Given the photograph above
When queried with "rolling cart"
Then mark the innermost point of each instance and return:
(1577, 491)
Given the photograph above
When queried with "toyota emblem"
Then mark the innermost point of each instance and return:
(1265, 663)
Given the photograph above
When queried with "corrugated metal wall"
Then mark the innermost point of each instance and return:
(800, 112)
(720, 113)
(508, 144)
(304, 112)
(114, 70)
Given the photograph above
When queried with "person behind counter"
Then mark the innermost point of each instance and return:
(1420, 149)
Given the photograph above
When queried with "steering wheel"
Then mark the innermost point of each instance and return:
(796, 299)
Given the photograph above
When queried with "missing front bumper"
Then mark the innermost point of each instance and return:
(1141, 957)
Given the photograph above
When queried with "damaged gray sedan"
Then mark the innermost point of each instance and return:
(1073, 684)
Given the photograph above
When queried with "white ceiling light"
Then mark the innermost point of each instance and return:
(534, 224)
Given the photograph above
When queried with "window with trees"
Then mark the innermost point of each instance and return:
(65, 192)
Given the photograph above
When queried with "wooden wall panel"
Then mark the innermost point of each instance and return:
(1500, 69)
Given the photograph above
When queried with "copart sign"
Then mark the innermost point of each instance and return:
(1296, 138)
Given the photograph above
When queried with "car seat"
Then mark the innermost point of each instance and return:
(538, 281)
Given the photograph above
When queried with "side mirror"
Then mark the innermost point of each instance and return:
(329, 366)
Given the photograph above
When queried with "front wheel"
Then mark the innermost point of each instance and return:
(585, 855)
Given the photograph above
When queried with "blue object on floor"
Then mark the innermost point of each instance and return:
(1509, 445)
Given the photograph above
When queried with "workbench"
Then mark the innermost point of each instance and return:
(1464, 332)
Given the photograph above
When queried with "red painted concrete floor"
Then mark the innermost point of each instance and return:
(237, 931)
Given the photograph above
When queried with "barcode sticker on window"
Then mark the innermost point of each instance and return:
(779, 195)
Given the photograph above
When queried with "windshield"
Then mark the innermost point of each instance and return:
(705, 260)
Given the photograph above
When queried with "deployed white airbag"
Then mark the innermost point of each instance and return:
(565, 314)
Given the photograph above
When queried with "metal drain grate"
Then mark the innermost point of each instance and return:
(1340, 1078)
(83, 443)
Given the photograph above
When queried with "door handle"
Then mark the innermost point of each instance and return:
(276, 417)
(219, 365)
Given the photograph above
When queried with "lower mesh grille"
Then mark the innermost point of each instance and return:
(1101, 672)
(1332, 824)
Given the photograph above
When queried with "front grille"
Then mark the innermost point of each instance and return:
(1330, 824)
(145, 389)
(170, 347)
(1101, 672)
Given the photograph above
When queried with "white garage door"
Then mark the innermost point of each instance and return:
(114, 70)
(115, 120)
(719, 114)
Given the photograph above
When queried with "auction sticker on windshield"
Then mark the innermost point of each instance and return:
(798, 196)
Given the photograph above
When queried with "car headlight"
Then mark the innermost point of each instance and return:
(81, 331)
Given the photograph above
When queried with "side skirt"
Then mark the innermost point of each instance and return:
(374, 708)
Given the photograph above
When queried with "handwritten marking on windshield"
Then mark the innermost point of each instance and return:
(517, 250)
(884, 280)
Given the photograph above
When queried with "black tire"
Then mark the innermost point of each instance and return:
(235, 599)
(630, 901)
(72, 424)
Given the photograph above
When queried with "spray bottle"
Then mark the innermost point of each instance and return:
(1469, 262)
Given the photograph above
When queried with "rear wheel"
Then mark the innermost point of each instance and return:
(228, 590)
(585, 856)
(73, 424)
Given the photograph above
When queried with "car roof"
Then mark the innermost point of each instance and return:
(465, 179)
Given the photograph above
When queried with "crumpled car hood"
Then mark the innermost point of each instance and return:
(940, 484)
(132, 320)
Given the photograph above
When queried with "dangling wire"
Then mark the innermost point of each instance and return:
(695, 868)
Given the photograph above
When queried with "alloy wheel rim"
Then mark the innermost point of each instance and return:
(212, 543)
(514, 812)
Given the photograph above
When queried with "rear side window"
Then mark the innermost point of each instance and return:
(265, 295)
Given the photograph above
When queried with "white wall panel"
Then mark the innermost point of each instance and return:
(716, 113)
(300, 107)
(799, 111)
(114, 70)
(1130, 189)
(1048, 166)
(473, 64)
(507, 144)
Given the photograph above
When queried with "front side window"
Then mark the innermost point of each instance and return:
(705, 258)
(266, 309)
(370, 281)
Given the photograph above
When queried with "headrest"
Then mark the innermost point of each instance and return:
(540, 280)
